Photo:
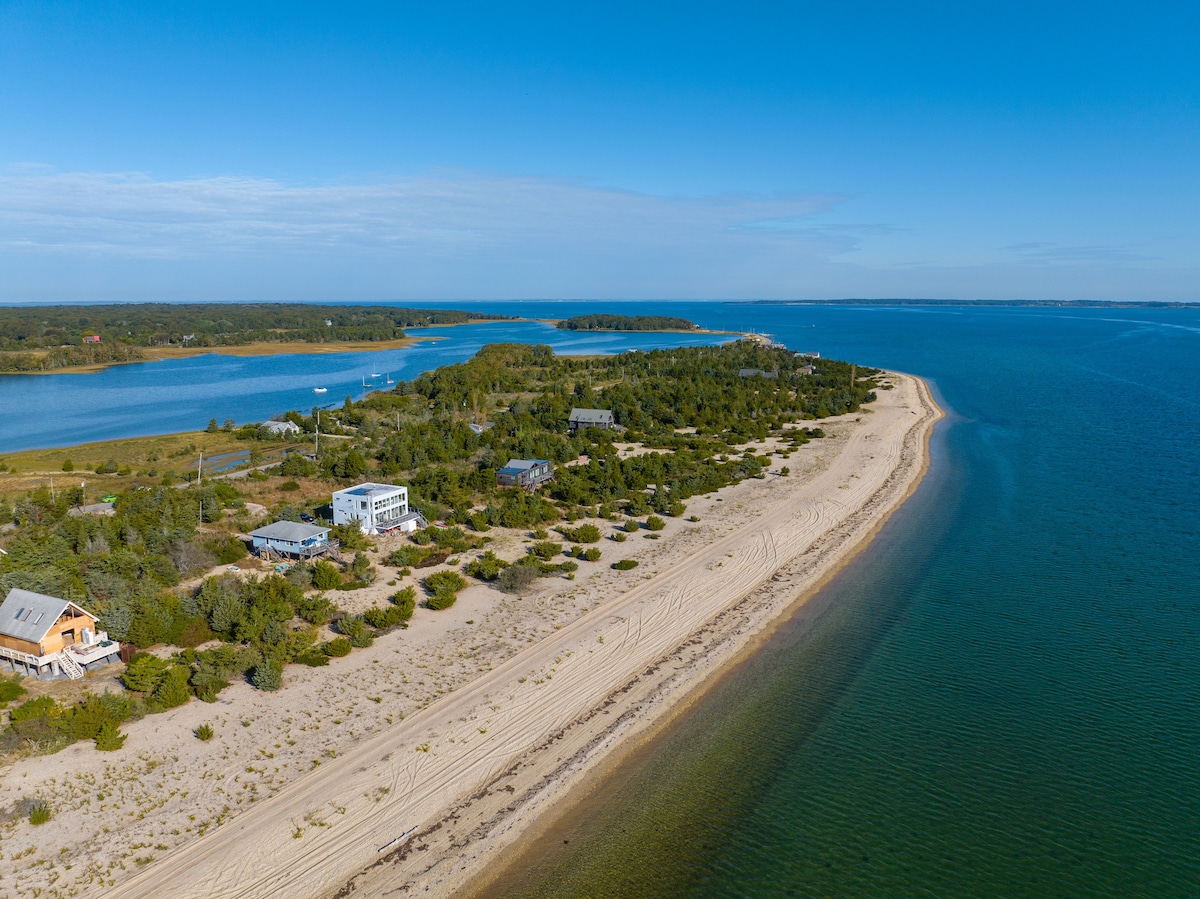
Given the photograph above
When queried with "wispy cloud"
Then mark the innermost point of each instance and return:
(456, 213)
(1051, 253)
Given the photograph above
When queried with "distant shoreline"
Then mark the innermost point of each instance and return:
(1054, 304)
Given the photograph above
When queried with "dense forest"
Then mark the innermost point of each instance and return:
(608, 322)
(690, 406)
(43, 338)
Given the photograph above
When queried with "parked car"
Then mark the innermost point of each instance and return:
(306, 517)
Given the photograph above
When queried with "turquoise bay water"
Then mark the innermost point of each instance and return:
(183, 394)
(1002, 696)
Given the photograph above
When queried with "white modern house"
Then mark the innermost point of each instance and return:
(376, 507)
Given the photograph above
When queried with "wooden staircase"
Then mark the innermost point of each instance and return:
(70, 667)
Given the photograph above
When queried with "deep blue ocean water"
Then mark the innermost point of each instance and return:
(1000, 697)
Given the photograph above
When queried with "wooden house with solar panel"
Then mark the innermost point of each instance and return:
(44, 634)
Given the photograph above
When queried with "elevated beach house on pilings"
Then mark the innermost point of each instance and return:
(292, 539)
(527, 473)
(42, 635)
(590, 418)
(377, 508)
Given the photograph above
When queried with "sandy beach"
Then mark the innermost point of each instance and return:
(409, 766)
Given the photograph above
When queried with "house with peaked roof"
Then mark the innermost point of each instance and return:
(590, 418)
(40, 632)
(528, 473)
(291, 538)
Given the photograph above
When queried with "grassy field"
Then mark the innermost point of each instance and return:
(139, 460)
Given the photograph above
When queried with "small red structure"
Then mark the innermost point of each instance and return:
(92, 338)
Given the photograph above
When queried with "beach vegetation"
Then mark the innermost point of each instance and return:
(624, 564)
(337, 648)
(204, 733)
(654, 523)
(40, 812)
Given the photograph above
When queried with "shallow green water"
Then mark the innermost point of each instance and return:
(1002, 696)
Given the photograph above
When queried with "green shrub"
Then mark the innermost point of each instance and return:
(655, 523)
(204, 733)
(404, 556)
(590, 555)
(516, 578)
(227, 549)
(326, 576)
(546, 549)
(42, 707)
(445, 582)
(172, 690)
(110, 738)
(316, 610)
(487, 567)
(631, 526)
(145, 672)
(624, 564)
(289, 486)
(336, 648)
(10, 689)
(587, 533)
(40, 812)
(406, 601)
(443, 599)
(620, 537)
(313, 657)
(268, 675)
(355, 629)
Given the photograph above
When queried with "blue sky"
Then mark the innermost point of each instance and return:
(354, 151)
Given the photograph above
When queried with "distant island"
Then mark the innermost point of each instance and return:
(36, 339)
(607, 322)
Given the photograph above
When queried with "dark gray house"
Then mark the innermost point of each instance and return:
(528, 473)
(590, 418)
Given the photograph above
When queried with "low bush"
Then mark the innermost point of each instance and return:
(406, 601)
(631, 526)
(336, 648)
(40, 812)
(624, 564)
(110, 738)
(487, 567)
(10, 689)
(546, 549)
(204, 733)
(445, 582)
(443, 599)
(587, 533)
(620, 537)
(590, 555)
(313, 657)
(268, 675)
(516, 578)
(654, 523)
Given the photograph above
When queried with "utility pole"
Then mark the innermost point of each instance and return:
(317, 449)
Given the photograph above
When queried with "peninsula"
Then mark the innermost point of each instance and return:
(43, 339)
(412, 760)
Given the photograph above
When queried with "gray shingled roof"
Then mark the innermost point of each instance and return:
(29, 616)
(291, 531)
(586, 415)
(522, 464)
